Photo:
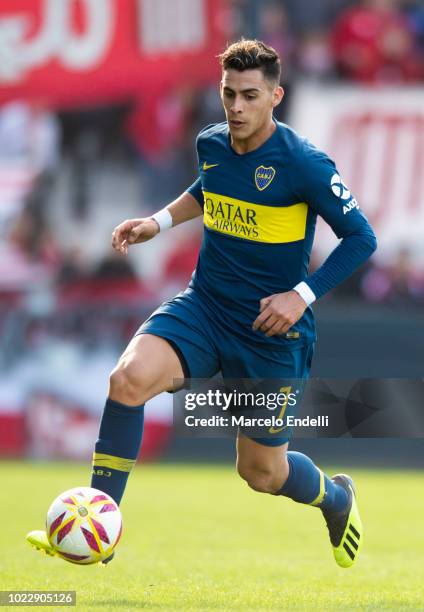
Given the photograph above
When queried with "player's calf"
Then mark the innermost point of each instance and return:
(264, 468)
(307, 484)
(271, 469)
(147, 367)
(262, 479)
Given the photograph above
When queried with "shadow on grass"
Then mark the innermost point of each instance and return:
(128, 604)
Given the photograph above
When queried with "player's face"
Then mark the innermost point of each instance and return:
(248, 99)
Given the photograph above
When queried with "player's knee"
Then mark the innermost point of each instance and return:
(129, 384)
(260, 479)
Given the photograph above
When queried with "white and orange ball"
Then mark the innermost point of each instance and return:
(84, 525)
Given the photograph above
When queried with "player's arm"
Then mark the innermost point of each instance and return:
(325, 192)
(332, 201)
(134, 231)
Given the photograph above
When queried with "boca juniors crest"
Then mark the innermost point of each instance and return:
(263, 177)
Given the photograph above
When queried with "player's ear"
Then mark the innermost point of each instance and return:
(277, 96)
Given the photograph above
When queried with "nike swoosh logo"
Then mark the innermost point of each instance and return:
(207, 166)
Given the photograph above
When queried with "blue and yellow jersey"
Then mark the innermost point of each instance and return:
(259, 211)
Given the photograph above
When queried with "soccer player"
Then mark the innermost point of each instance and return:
(246, 311)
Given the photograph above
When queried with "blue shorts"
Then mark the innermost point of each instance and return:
(206, 348)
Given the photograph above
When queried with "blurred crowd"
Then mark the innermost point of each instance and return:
(365, 41)
(43, 154)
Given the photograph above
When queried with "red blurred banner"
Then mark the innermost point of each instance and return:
(83, 52)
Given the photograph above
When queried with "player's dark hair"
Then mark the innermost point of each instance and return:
(250, 54)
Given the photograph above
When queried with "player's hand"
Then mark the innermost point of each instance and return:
(133, 231)
(279, 312)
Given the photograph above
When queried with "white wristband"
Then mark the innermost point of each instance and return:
(163, 218)
(305, 292)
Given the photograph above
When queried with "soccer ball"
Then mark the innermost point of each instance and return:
(84, 525)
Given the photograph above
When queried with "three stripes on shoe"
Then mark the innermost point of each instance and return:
(350, 537)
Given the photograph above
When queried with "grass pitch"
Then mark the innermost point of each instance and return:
(196, 538)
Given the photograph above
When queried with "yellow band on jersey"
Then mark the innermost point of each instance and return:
(115, 463)
(272, 224)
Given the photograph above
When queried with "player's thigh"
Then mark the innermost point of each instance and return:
(184, 323)
(148, 366)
